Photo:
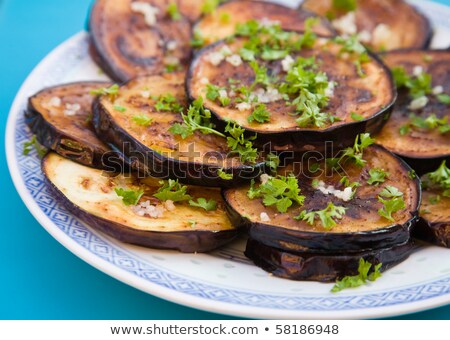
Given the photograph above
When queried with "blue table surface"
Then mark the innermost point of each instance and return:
(39, 278)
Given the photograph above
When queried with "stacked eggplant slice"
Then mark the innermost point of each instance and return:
(248, 117)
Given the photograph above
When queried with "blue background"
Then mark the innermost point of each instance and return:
(39, 278)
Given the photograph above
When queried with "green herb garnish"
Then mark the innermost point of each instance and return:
(119, 108)
(208, 205)
(172, 190)
(377, 176)
(173, 11)
(326, 216)
(418, 86)
(356, 117)
(142, 120)
(259, 114)
(391, 206)
(273, 162)
(353, 154)
(360, 279)
(440, 177)
(129, 197)
(33, 143)
(239, 144)
(168, 103)
(222, 174)
(344, 5)
(111, 92)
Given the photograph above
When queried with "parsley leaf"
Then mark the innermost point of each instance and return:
(172, 190)
(119, 108)
(112, 91)
(260, 114)
(142, 120)
(360, 279)
(168, 103)
(356, 117)
(273, 162)
(377, 176)
(222, 174)
(209, 205)
(444, 98)
(279, 191)
(418, 86)
(440, 177)
(431, 122)
(239, 144)
(214, 92)
(396, 203)
(197, 40)
(173, 12)
(344, 5)
(210, 5)
(129, 197)
(33, 143)
(353, 154)
(327, 216)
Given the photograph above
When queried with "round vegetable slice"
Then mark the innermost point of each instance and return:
(381, 25)
(91, 195)
(222, 22)
(145, 123)
(60, 116)
(363, 206)
(322, 267)
(419, 128)
(132, 38)
(298, 92)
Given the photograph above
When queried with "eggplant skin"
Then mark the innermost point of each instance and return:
(423, 149)
(322, 267)
(183, 241)
(150, 162)
(300, 239)
(409, 28)
(71, 137)
(437, 233)
(290, 137)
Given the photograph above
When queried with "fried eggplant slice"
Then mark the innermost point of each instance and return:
(322, 267)
(132, 38)
(382, 25)
(419, 128)
(222, 22)
(298, 92)
(61, 118)
(91, 196)
(139, 123)
(338, 211)
(434, 223)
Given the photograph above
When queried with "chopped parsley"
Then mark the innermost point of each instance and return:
(352, 46)
(173, 11)
(356, 117)
(353, 154)
(272, 162)
(239, 144)
(129, 197)
(172, 190)
(440, 178)
(197, 40)
(196, 118)
(418, 86)
(377, 176)
(260, 114)
(119, 108)
(392, 205)
(431, 123)
(208, 205)
(326, 216)
(222, 174)
(142, 120)
(344, 5)
(168, 103)
(360, 279)
(112, 92)
(210, 5)
(213, 92)
(444, 98)
(34, 144)
(278, 191)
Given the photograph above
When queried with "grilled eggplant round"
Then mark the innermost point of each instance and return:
(322, 267)
(60, 116)
(131, 38)
(152, 149)
(434, 222)
(359, 103)
(361, 227)
(423, 147)
(222, 23)
(90, 195)
(381, 24)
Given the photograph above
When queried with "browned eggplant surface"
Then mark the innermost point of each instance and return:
(380, 24)
(419, 127)
(136, 125)
(91, 196)
(223, 21)
(360, 227)
(276, 104)
(61, 117)
(132, 38)
(322, 267)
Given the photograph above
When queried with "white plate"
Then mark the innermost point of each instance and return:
(224, 281)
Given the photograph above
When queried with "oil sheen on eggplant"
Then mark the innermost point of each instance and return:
(423, 149)
(360, 229)
(89, 194)
(371, 97)
(131, 38)
(60, 116)
(386, 24)
(322, 267)
(155, 151)
(222, 23)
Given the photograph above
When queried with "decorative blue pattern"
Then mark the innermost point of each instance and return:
(31, 174)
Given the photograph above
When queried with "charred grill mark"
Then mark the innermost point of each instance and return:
(123, 47)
